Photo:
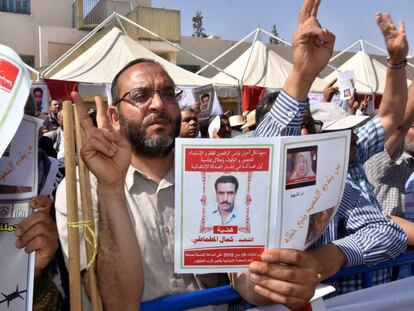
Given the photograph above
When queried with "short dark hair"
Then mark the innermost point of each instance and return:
(205, 95)
(224, 179)
(188, 108)
(114, 85)
(38, 89)
(265, 105)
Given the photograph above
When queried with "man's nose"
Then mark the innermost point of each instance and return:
(157, 102)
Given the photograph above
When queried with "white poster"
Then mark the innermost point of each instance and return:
(236, 198)
(14, 89)
(18, 165)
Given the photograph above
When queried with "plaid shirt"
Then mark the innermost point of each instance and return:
(388, 178)
(359, 229)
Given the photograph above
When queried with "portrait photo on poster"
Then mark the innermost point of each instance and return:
(317, 224)
(204, 96)
(40, 94)
(301, 167)
(227, 201)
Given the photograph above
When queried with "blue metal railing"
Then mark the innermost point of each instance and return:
(224, 294)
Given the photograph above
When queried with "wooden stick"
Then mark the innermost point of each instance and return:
(72, 208)
(87, 214)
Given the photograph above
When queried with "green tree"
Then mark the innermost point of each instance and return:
(198, 25)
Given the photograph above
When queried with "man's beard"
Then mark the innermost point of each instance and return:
(144, 145)
(409, 146)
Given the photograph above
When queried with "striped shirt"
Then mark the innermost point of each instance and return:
(370, 142)
(359, 229)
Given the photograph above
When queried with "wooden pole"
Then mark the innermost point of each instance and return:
(72, 208)
(87, 214)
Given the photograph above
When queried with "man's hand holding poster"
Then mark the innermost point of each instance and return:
(236, 198)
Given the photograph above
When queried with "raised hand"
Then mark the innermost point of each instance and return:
(106, 153)
(395, 40)
(329, 91)
(285, 276)
(312, 45)
(38, 232)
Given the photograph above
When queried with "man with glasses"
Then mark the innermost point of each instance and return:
(133, 163)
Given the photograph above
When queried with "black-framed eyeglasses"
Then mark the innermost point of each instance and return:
(141, 95)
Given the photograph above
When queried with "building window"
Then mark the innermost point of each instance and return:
(28, 60)
(192, 68)
(15, 6)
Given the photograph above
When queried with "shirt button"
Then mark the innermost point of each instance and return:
(290, 114)
(167, 230)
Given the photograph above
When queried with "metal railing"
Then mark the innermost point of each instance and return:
(96, 11)
(223, 294)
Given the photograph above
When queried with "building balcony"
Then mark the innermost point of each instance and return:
(165, 23)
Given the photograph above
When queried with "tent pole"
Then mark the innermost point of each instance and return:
(122, 25)
(385, 52)
(348, 48)
(173, 44)
(366, 65)
(227, 51)
(256, 36)
(77, 45)
(275, 37)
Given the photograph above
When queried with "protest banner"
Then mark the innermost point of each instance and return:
(18, 184)
(14, 89)
(236, 198)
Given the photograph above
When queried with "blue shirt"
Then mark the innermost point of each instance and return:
(359, 228)
(370, 142)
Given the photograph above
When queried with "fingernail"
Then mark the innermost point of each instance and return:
(18, 232)
(254, 266)
(255, 277)
(18, 243)
(266, 257)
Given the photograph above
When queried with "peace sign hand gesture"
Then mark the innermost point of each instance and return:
(395, 40)
(312, 45)
(106, 153)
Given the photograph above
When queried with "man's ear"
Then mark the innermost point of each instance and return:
(113, 116)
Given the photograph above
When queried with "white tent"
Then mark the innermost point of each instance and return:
(260, 66)
(370, 74)
(101, 62)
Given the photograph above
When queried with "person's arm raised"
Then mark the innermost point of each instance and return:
(119, 266)
(312, 48)
(394, 99)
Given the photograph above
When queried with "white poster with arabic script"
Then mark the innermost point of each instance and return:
(235, 198)
(14, 89)
(18, 165)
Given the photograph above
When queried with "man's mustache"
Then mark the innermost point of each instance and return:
(225, 202)
(154, 116)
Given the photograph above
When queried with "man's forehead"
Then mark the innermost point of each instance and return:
(187, 113)
(226, 184)
(145, 74)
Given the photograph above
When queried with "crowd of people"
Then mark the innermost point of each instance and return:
(131, 156)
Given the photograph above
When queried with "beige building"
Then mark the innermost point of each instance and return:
(40, 31)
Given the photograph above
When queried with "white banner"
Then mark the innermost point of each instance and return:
(14, 89)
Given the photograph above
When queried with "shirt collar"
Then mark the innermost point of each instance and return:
(133, 173)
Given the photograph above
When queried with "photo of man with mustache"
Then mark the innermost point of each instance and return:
(225, 212)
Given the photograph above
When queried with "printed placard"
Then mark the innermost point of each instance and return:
(16, 267)
(14, 89)
(236, 198)
(18, 165)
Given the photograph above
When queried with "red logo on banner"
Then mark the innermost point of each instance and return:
(8, 75)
